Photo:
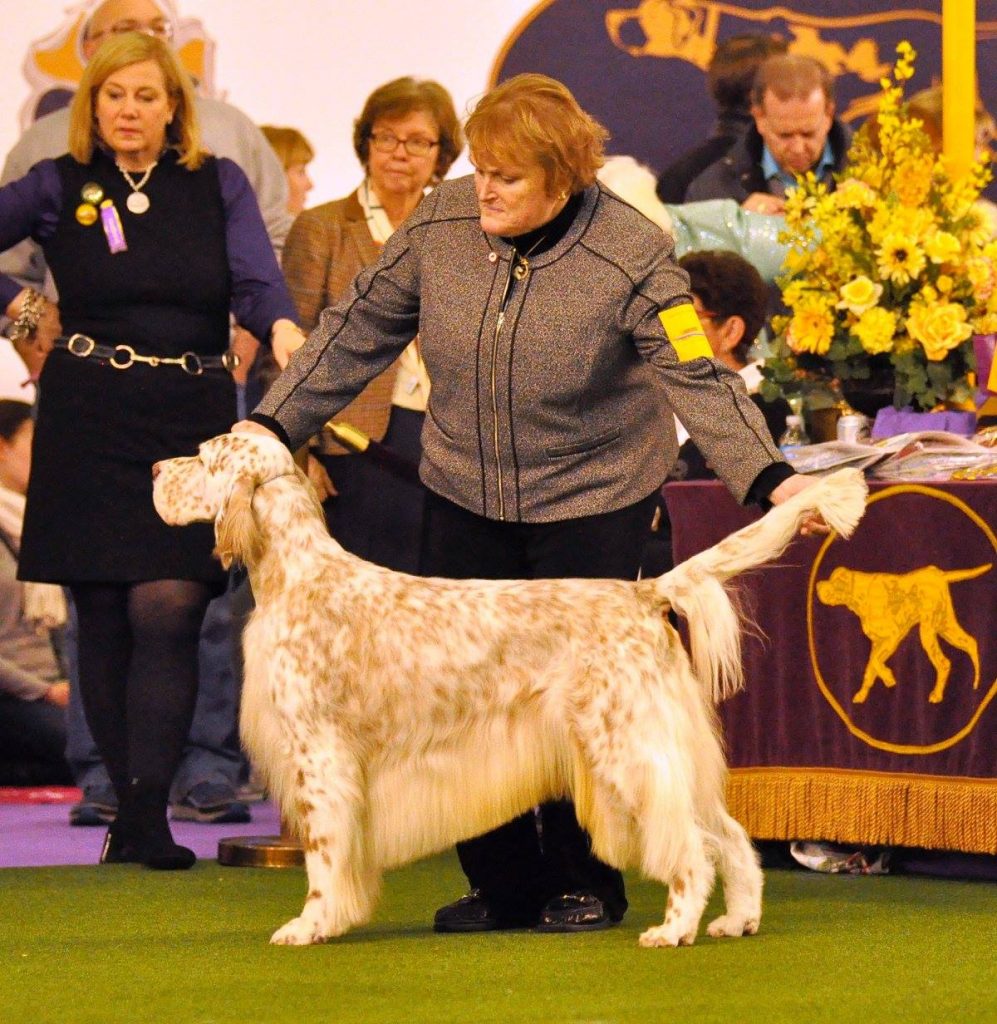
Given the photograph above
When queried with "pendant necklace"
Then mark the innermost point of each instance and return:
(521, 264)
(138, 201)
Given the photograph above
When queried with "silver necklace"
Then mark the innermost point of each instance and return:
(138, 201)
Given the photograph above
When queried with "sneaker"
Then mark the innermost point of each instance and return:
(99, 806)
(252, 791)
(211, 803)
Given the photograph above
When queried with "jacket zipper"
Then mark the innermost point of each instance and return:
(494, 385)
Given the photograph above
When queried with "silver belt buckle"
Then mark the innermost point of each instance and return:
(80, 345)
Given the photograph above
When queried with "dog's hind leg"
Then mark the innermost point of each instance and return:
(331, 809)
(653, 789)
(689, 879)
(737, 864)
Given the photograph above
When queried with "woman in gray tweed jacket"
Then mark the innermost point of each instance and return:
(560, 339)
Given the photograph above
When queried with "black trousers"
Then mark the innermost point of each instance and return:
(543, 853)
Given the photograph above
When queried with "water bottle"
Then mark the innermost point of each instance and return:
(794, 436)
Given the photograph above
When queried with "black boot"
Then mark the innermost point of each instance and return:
(146, 837)
(117, 848)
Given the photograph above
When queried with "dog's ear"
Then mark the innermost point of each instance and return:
(237, 534)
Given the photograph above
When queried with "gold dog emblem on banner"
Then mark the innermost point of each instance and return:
(851, 610)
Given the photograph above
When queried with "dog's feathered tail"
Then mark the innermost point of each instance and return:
(695, 589)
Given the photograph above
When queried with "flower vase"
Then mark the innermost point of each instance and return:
(868, 395)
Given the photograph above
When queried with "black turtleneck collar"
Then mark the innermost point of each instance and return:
(547, 235)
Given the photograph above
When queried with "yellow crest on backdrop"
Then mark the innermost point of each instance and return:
(878, 612)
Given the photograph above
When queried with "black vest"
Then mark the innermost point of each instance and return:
(169, 292)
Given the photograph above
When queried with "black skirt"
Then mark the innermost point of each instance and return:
(89, 515)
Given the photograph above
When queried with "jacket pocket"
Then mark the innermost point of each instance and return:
(590, 444)
(445, 431)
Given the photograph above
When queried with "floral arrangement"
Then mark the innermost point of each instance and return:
(890, 275)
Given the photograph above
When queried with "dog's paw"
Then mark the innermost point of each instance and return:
(730, 926)
(665, 935)
(299, 931)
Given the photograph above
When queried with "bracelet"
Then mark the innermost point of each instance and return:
(26, 322)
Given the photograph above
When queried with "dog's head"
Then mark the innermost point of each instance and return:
(837, 589)
(217, 485)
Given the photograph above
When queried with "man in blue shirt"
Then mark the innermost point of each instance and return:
(794, 131)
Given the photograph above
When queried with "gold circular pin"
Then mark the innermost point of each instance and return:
(92, 192)
(86, 214)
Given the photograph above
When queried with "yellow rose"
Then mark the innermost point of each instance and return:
(941, 247)
(875, 330)
(859, 295)
(939, 328)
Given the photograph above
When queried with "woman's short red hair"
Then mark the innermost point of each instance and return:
(533, 119)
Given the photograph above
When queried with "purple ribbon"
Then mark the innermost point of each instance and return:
(111, 223)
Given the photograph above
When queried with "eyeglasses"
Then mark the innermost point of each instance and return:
(415, 145)
(161, 28)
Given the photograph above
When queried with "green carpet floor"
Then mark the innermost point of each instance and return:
(121, 945)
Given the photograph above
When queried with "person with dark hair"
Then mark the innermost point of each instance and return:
(33, 688)
(729, 79)
(406, 138)
(731, 300)
(794, 131)
(152, 243)
(560, 338)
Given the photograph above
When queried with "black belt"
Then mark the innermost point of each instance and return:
(122, 357)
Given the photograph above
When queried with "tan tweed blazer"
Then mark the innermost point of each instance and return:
(325, 249)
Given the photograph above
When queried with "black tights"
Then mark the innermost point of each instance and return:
(138, 674)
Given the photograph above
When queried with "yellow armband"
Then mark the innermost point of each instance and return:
(685, 332)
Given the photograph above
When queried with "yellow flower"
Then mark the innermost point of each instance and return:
(980, 272)
(941, 246)
(897, 262)
(811, 328)
(899, 259)
(859, 295)
(875, 330)
(855, 194)
(939, 328)
(912, 180)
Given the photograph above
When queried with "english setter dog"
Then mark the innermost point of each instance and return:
(392, 716)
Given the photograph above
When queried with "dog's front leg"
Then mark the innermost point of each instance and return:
(329, 805)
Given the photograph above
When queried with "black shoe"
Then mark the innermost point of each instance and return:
(143, 832)
(116, 848)
(575, 912)
(473, 913)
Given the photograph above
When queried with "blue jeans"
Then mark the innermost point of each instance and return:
(212, 753)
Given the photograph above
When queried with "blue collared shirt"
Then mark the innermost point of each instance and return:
(786, 179)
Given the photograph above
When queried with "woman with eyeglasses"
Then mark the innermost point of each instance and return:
(406, 138)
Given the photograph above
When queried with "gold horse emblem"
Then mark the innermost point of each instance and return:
(888, 606)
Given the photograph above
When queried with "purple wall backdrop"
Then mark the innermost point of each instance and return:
(637, 65)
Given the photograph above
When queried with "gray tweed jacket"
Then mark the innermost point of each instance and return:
(552, 393)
